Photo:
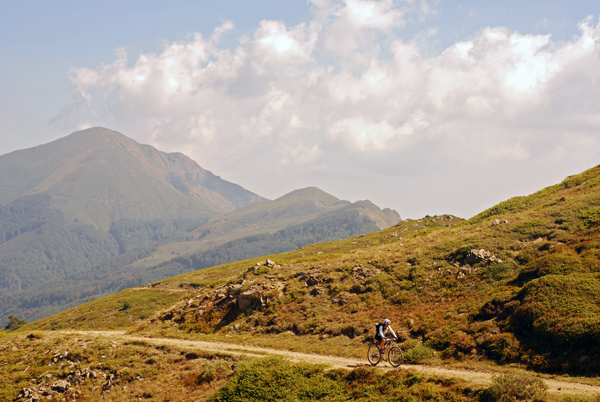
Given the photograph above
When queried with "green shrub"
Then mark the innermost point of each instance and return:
(274, 379)
(590, 218)
(503, 347)
(14, 322)
(560, 311)
(515, 387)
(499, 271)
(418, 354)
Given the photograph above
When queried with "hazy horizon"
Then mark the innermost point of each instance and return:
(422, 107)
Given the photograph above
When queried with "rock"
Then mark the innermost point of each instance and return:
(270, 263)
(496, 222)
(302, 275)
(248, 299)
(361, 273)
(317, 291)
(313, 280)
(481, 255)
(233, 290)
(60, 386)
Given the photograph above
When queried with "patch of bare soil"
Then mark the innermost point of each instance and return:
(475, 377)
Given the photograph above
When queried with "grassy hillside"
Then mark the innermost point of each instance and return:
(517, 283)
(79, 367)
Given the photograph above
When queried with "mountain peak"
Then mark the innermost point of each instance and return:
(99, 176)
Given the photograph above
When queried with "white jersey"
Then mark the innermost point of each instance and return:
(382, 331)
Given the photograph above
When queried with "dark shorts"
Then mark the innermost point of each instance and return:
(378, 338)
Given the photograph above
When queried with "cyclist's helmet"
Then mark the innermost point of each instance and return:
(386, 321)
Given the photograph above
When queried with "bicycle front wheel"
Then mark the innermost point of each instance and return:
(373, 355)
(395, 356)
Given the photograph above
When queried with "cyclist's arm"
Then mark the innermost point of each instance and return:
(380, 333)
(392, 331)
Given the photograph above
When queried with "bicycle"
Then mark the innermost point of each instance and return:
(394, 354)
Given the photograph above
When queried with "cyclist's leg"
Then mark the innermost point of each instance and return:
(379, 341)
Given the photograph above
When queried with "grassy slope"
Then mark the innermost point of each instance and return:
(100, 369)
(536, 307)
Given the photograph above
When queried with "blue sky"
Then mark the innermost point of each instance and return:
(424, 107)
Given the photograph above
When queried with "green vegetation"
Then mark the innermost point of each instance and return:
(515, 387)
(14, 322)
(274, 379)
(516, 287)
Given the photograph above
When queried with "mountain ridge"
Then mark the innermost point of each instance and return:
(75, 206)
(130, 180)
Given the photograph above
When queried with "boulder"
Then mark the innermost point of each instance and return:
(248, 299)
(60, 386)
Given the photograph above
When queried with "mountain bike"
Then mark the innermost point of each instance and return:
(394, 353)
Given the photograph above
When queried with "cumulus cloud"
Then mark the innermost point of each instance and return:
(342, 92)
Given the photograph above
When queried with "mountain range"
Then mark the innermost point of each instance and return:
(95, 212)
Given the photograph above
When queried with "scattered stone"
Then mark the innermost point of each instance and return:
(361, 273)
(481, 255)
(313, 280)
(498, 222)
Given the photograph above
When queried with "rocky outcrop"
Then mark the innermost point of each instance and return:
(475, 256)
(65, 387)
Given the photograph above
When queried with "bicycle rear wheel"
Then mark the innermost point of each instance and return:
(395, 356)
(373, 355)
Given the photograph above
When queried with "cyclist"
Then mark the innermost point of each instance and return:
(382, 329)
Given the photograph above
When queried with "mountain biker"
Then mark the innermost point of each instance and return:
(382, 329)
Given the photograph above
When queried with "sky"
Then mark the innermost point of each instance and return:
(425, 107)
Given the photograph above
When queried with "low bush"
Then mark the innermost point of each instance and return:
(515, 387)
(418, 354)
(590, 218)
(274, 379)
(559, 311)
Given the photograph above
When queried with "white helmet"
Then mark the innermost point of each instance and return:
(386, 321)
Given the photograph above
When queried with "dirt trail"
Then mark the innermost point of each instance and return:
(475, 377)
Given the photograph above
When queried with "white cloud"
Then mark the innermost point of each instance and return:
(296, 97)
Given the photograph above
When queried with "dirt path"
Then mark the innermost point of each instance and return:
(475, 377)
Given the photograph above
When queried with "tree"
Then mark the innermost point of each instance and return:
(14, 322)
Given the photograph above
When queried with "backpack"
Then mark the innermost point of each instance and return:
(377, 328)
